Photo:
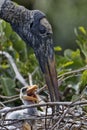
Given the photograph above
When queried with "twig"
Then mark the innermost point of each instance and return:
(58, 122)
(41, 89)
(73, 72)
(11, 100)
(30, 79)
(61, 78)
(62, 116)
(36, 69)
(70, 76)
(8, 97)
(45, 104)
(2, 104)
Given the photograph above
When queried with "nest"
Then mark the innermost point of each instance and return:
(69, 116)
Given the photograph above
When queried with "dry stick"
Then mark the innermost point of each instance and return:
(30, 79)
(17, 73)
(1, 104)
(65, 112)
(11, 100)
(71, 104)
(48, 117)
(70, 76)
(73, 72)
(62, 117)
(58, 122)
(8, 97)
(41, 89)
(50, 104)
(36, 69)
(61, 77)
(30, 118)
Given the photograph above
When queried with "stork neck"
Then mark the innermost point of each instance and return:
(11, 12)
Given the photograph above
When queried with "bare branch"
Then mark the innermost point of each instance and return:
(8, 97)
(73, 72)
(70, 104)
(11, 100)
(30, 79)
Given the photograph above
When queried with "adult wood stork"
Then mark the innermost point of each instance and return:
(33, 27)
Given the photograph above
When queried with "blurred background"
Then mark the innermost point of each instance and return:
(64, 15)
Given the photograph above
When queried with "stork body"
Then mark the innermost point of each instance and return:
(35, 30)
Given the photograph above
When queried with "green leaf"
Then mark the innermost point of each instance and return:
(82, 29)
(4, 66)
(68, 64)
(8, 86)
(8, 30)
(57, 48)
(84, 78)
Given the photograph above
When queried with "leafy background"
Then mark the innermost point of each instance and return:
(64, 16)
(71, 83)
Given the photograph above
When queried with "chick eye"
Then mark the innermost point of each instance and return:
(24, 90)
(42, 29)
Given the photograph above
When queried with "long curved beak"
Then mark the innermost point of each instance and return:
(51, 75)
(46, 60)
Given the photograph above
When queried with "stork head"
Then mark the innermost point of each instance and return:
(37, 32)
(41, 38)
(42, 42)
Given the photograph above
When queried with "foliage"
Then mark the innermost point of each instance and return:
(72, 78)
(23, 57)
(71, 67)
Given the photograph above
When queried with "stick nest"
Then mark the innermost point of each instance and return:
(70, 116)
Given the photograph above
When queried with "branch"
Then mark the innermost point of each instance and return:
(70, 104)
(8, 97)
(73, 72)
(70, 74)
(11, 100)
(1, 104)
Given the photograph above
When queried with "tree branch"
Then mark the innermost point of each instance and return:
(70, 104)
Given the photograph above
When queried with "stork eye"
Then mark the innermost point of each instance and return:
(31, 25)
(42, 29)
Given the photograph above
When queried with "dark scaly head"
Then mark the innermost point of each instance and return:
(42, 43)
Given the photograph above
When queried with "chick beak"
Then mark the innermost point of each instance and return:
(30, 94)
